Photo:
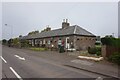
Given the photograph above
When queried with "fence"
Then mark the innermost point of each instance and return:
(108, 50)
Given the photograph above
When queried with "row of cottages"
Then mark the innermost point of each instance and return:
(71, 37)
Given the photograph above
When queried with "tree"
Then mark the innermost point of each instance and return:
(46, 29)
(4, 41)
(20, 36)
(33, 32)
(16, 41)
(10, 42)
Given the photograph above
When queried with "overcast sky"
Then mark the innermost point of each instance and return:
(99, 18)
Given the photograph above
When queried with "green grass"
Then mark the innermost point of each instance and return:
(85, 53)
(38, 49)
(98, 46)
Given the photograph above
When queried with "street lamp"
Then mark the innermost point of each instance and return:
(11, 29)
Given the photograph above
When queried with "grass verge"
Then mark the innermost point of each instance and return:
(38, 49)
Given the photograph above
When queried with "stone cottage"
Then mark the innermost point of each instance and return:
(71, 37)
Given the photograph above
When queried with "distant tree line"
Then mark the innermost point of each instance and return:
(46, 29)
(35, 32)
(16, 42)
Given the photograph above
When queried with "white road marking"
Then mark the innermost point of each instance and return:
(16, 56)
(3, 59)
(99, 78)
(15, 73)
(19, 57)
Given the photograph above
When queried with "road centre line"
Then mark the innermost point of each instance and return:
(3, 59)
(15, 73)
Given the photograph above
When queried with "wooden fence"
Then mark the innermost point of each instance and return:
(108, 50)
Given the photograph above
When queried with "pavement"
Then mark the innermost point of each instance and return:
(51, 64)
(102, 67)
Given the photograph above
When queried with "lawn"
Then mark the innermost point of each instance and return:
(98, 46)
(38, 49)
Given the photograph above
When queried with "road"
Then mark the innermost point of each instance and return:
(21, 63)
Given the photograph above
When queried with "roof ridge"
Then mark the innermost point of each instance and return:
(75, 29)
(85, 30)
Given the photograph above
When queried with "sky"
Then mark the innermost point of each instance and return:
(119, 19)
(99, 18)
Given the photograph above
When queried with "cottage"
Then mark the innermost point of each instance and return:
(68, 36)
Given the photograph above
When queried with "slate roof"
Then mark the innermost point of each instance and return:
(71, 30)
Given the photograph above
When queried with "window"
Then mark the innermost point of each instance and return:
(78, 39)
(49, 41)
(40, 42)
(36, 41)
(59, 42)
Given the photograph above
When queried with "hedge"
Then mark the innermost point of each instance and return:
(115, 42)
(115, 57)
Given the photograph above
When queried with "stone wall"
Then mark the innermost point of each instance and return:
(82, 42)
(78, 42)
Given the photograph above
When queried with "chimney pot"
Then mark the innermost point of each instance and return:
(66, 20)
(63, 20)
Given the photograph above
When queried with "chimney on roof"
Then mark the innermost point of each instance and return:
(65, 24)
(48, 28)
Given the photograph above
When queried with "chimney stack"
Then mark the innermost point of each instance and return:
(65, 24)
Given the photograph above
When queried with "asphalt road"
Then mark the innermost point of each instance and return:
(20, 63)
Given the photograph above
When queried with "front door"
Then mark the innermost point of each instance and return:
(67, 43)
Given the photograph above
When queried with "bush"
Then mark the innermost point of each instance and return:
(95, 50)
(115, 42)
(115, 58)
(98, 53)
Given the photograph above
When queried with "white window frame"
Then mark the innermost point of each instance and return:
(43, 41)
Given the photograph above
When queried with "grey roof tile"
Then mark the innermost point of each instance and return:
(60, 32)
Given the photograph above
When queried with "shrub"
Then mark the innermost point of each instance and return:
(95, 50)
(98, 53)
(115, 58)
(25, 43)
(91, 50)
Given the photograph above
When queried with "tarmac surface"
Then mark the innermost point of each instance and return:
(22, 63)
